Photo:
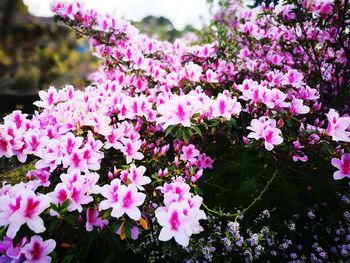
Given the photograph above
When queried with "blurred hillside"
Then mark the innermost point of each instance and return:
(161, 28)
(36, 53)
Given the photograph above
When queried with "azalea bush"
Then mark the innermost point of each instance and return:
(232, 147)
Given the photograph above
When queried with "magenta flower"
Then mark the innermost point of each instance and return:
(204, 162)
(211, 76)
(343, 165)
(42, 176)
(58, 196)
(189, 153)
(271, 137)
(176, 191)
(70, 143)
(113, 139)
(76, 187)
(10, 252)
(51, 157)
(37, 250)
(18, 118)
(75, 160)
(93, 219)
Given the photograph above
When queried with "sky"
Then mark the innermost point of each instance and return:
(180, 12)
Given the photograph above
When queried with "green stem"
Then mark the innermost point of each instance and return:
(219, 213)
(236, 215)
(274, 175)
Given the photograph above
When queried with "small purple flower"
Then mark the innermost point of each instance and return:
(311, 214)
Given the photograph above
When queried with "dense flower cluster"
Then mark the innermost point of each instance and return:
(180, 216)
(103, 154)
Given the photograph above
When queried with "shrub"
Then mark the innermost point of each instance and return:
(132, 154)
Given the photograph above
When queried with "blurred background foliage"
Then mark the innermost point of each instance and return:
(36, 53)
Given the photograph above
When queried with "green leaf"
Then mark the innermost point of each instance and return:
(67, 259)
(197, 130)
(169, 130)
(127, 229)
(197, 190)
(329, 148)
(166, 246)
(65, 204)
(54, 207)
(185, 136)
(54, 257)
(2, 232)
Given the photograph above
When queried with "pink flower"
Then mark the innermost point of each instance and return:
(47, 98)
(42, 176)
(37, 250)
(75, 160)
(112, 140)
(128, 201)
(77, 188)
(343, 165)
(110, 192)
(131, 150)
(225, 107)
(271, 137)
(16, 117)
(51, 157)
(176, 191)
(189, 153)
(122, 199)
(181, 214)
(265, 129)
(338, 126)
(70, 143)
(298, 107)
(193, 72)
(211, 76)
(178, 110)
(93, 219)
(136, 176)
(298, 154)
(35, 142)
(25, 210)
(294, 78)
(174, 224)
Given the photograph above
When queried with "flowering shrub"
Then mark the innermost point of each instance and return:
(125, 155)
